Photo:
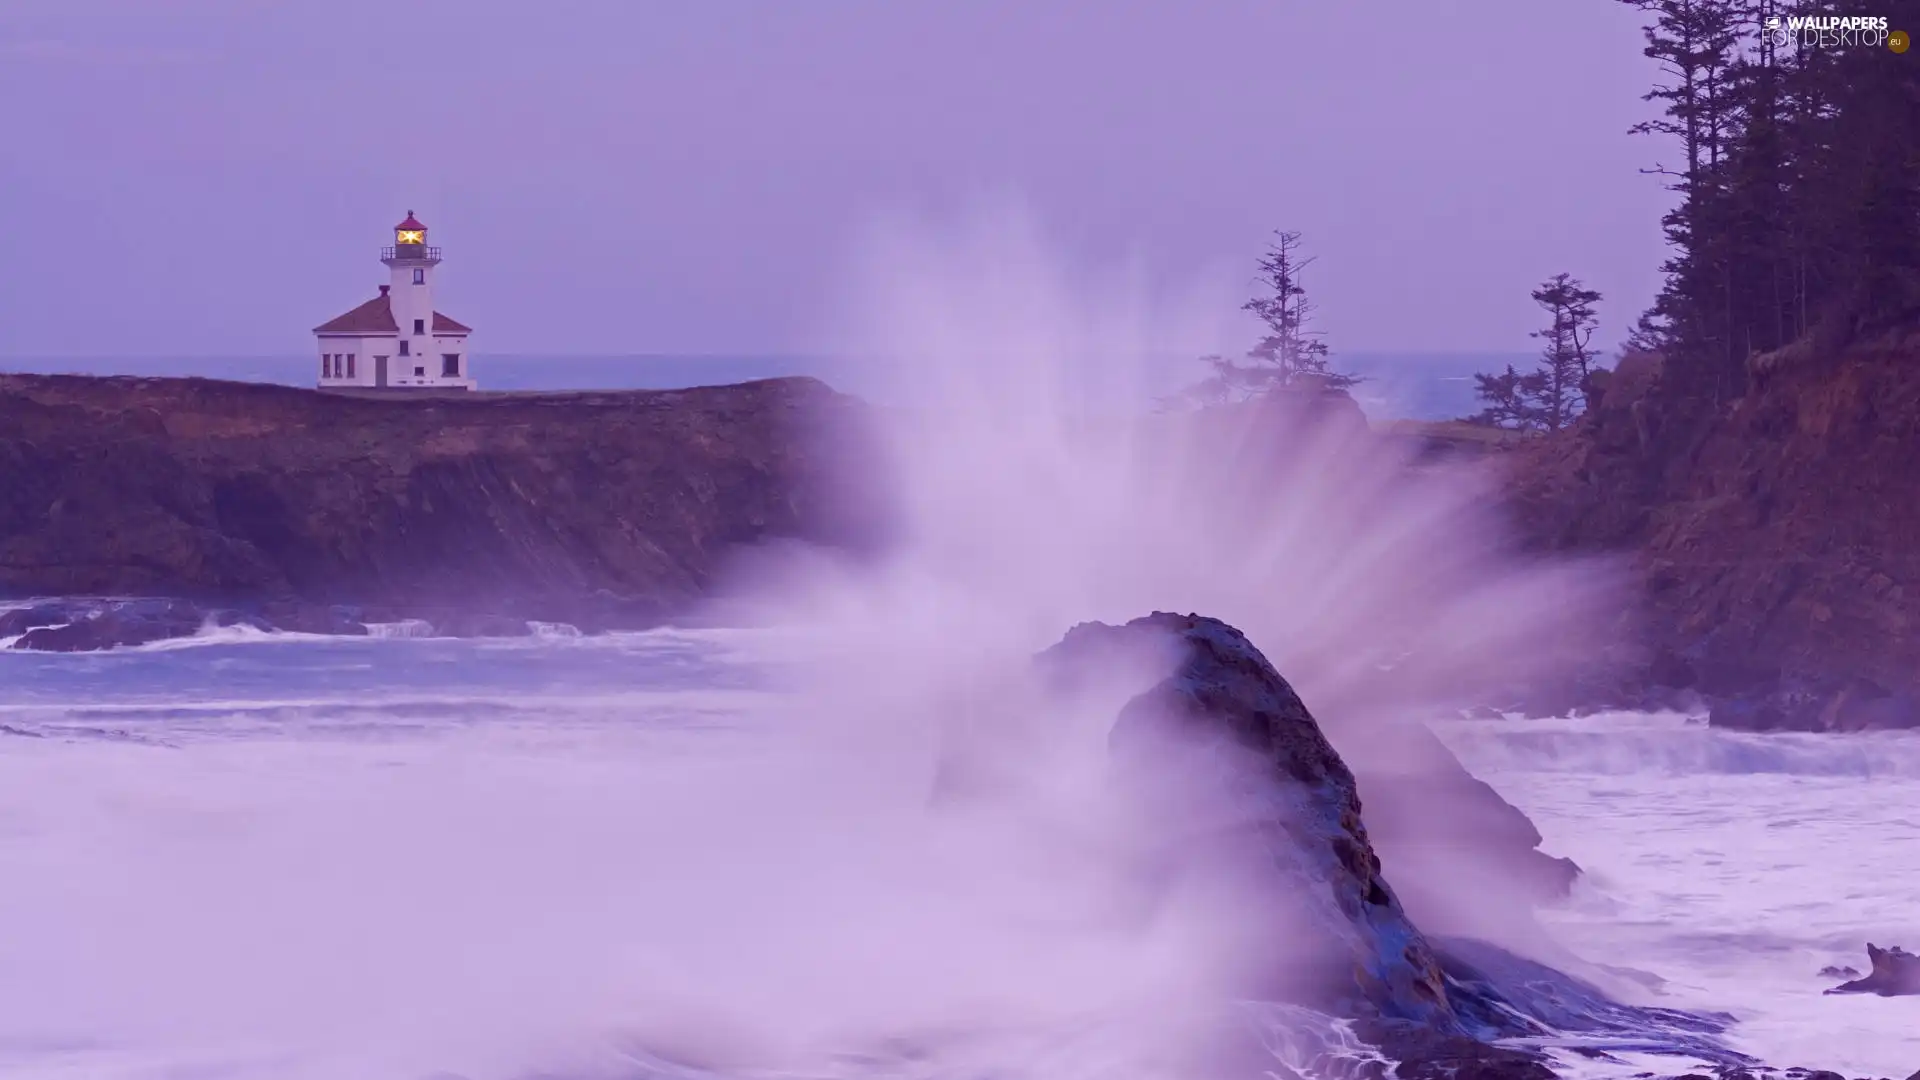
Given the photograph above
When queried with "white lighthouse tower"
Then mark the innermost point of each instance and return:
(397, 340)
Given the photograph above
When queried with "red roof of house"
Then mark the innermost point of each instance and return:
(376, 317)
(373, 317)
(411, 223)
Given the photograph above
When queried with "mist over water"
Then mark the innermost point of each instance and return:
(624, 866)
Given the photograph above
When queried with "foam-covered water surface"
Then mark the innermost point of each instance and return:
(256, 857)
(1734, 866)
(287, 857)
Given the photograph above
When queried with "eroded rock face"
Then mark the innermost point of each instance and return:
(1462, 855)
(1894, 972)
(1851, 705)
(1239, 779)
(1775, 537)
(596, 509)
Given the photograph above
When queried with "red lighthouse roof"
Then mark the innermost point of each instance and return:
(411, 224)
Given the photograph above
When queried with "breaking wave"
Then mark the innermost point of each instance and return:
(1627, 744)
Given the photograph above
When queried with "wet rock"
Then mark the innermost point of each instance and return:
(1748, 714)
(1479, 852)
(480, 626)
(1239, 778)
(118, 627)
(1894, 972)
(1864, 705)
(335, 620)
(19, 621)
(1852, 706)
(1424, 1054)
(1834, 971)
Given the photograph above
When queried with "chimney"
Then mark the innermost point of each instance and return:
(384, 288)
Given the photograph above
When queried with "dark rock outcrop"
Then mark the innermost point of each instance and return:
(20, 620)
(1893, 972)
(1775, 537)
(1236, 776)
(598, 509)
(112, 627)
(82, 624)
(1458, 847)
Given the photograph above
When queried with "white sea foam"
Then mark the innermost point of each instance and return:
(1626, 744)
(404, 628)
(1733, 866)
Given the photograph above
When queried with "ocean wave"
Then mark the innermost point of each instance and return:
(1628, 744)
(405, 628)
(658, 708)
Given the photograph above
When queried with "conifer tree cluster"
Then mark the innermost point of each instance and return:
(1798, 184)
(1797, 211)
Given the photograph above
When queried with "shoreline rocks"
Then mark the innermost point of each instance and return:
(94, 624)
(1894, 972)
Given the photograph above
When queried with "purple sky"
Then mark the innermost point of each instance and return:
(687, 176)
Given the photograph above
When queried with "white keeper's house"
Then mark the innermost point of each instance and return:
(396, 340)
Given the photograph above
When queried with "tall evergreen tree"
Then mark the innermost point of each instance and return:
(1551, 396)
(1566, 355)
(1290, 354)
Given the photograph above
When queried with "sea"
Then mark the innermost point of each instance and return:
(279, 857)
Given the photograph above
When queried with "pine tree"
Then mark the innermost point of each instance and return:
(1798, 221)
(1510, 398)
(1290, 354)
(1566, 356)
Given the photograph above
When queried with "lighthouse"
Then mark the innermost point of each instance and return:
(397, 340)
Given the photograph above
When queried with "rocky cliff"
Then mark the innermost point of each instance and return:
(579, 507)
(1776, 537)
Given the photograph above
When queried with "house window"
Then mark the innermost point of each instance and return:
(350, 365)
(403, 348)
(419, 276)
(419, 326)
(419, 373)
(326, 365)
(450, 364)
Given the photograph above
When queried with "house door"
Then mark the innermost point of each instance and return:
(379, 371)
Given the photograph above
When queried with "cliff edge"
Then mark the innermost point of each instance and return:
(1776, 538)
(582, 507)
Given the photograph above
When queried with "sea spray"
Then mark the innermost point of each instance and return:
(790, 903)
